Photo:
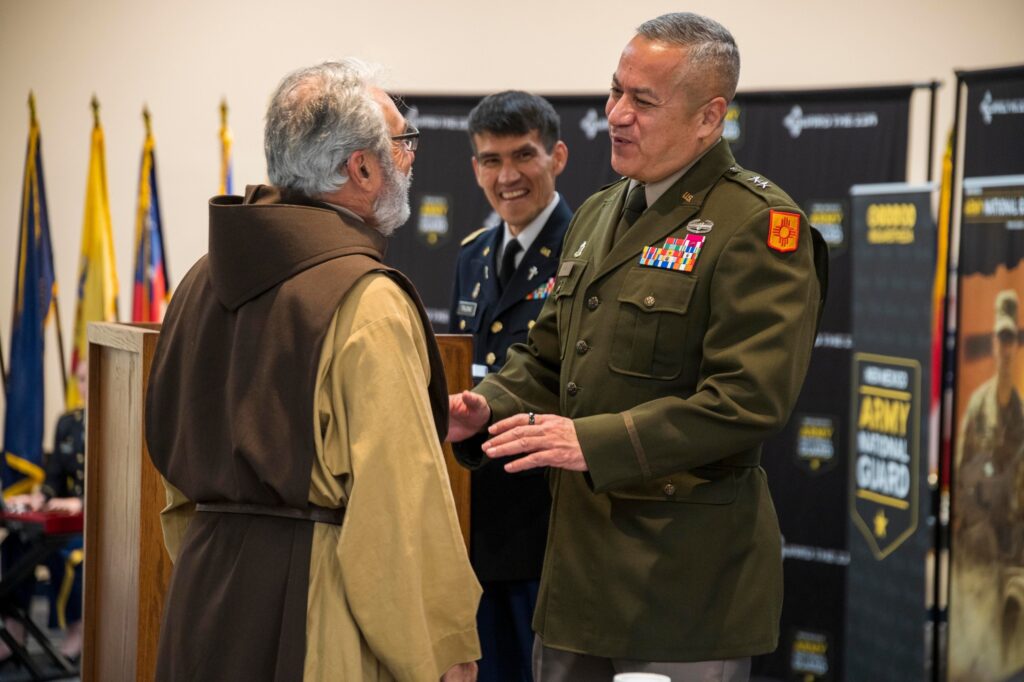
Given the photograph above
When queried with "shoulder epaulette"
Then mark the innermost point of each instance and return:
(473, 235)
(756, 183)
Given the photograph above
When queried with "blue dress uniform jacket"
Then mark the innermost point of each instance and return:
(65, 469)
(668, 548)
(509, 511)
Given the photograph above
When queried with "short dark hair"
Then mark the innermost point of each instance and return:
(514, 112)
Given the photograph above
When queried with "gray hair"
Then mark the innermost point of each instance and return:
(318, 117)
(711, 47)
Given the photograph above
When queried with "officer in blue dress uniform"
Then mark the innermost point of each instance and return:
(504, 274)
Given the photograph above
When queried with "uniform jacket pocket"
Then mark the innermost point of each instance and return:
(650, 327)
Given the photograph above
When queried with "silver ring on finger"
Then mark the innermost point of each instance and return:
(533, 418)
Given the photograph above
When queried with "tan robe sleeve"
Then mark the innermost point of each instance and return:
(392, 594)
(174, 518)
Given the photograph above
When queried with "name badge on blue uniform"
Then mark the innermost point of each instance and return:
(466, 308)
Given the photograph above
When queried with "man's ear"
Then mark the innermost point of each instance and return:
(358, 168)
(476, 172)
(559, 156)
(713, 116)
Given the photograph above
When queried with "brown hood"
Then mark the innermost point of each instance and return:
(255, 245)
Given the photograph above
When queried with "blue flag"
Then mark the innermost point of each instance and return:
(34, 299)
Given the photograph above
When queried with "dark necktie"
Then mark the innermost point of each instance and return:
(508, 263)
(636, 204)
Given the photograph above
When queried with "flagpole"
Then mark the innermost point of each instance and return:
(60, 349)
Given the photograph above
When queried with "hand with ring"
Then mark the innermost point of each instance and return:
(546, 440)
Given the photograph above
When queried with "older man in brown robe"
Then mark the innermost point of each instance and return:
(296, 408)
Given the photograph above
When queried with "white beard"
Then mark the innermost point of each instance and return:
(391, 209)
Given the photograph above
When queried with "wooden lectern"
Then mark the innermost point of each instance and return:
(127, 569)
(457, 355)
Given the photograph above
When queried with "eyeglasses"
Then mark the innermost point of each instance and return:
(410, 138)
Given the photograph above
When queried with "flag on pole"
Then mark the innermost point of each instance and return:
(35, 294)
(97, 271)
(152, 284)
(940, 450)
(225, 150)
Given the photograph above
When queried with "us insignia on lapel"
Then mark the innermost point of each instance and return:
(674, 254)
(541, 292)
(783, 230)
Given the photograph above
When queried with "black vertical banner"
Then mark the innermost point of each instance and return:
(888, 633)
(446, 202)
(994, 127)
(816, 145)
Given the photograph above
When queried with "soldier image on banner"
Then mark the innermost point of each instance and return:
(987, 545)
(988, 526)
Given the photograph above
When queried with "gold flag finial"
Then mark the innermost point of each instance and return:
(95, 111)
(223, 111)
(32, 107)
(145, 118)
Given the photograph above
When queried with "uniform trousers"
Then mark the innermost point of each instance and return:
(556, 665)
(506, 636)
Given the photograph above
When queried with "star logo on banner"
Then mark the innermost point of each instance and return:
(881, 524)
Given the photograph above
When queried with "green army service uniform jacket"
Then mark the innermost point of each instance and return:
(668, 548)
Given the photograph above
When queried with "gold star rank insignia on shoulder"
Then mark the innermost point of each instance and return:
(783, 230)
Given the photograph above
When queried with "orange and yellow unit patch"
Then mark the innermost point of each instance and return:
(783, 230)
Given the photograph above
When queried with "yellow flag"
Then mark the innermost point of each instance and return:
(97, 273)
(225, 150)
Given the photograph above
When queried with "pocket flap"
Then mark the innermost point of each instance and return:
(683, 487)
(656, 290)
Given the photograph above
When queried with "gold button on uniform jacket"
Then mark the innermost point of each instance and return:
(674, 366)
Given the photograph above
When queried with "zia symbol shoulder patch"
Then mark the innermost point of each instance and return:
(783, 230)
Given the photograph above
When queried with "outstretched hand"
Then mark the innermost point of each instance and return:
(468, 414)
(547, 439)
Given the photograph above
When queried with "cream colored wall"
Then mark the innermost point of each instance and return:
(182, 57)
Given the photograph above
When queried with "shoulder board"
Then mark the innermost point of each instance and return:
(473, 235)
(757, 184)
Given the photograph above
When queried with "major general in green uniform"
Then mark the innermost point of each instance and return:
(675, 342)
